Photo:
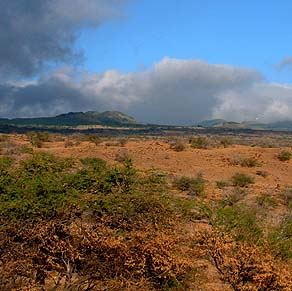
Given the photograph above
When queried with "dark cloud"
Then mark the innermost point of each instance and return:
(35, 32)
(284, 63)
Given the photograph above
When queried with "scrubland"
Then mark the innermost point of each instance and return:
(84, 212)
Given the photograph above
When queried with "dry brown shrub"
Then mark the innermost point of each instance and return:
(73, 255)
(245, 267)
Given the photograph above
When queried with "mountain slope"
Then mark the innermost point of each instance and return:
(107, 118)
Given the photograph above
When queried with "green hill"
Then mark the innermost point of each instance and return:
(107, 118)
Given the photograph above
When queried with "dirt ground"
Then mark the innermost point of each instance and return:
(215, 164)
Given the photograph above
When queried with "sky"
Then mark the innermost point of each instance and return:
(168, 62)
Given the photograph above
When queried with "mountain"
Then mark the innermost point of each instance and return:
(107, 118)
(221, 123)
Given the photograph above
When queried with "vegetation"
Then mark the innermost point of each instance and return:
(87, 224)
(242, 180)
(199, 142)
(177, 145)
(194, 186)
(284, 156)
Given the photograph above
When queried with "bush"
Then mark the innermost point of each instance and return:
(245, 162)
(222, 184)
(242, 180)
(178, 146)
(199, 142)
(235, 196)
(194, 186)
(280, 238)
(238, 220)
(245, 267)
(286, 196)
(37, 138)
(122, 155)
(284, 156)
(266, 200)
(94, 138)
(226, 142)
(249, 162)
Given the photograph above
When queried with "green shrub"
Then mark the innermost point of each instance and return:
(284, 156)
(280, 238)
(199, 142)
(242, 180)
(5, 163)
(194, 186)
(240, 221)
(249, 162)
(222, 184)
(266, 200)
(96, 164)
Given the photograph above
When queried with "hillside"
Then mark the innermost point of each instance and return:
(107, 118)
(221, 123)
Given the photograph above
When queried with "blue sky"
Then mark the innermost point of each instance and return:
(254, 34)
(170, 62)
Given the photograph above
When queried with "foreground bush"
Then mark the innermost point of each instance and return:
(244, 267)
(66, 254)
(84, 225)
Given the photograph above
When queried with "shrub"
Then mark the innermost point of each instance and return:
(37, 138)
(245, 162)
(194, 186)
(262, 173)
(249, 162)
(286, 196)
(242, 180)
(178, 146)
(240, 220)
(280, 238)
(222, 184)
(245, 267)
(122, 155)
(94, 138)
(235, 196)
(266, 200)
(199, 142)
(284, 156)
(226, 142)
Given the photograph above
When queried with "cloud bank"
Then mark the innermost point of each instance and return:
(284, 63)
(34, 33)
(171, 92)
